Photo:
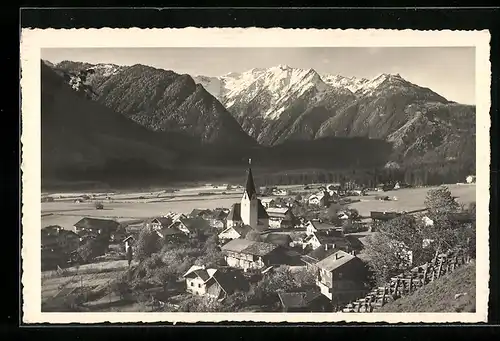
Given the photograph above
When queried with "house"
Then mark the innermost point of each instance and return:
(280, 192)
(268, 202)
(200, 213)
(190, 226)
(250, 210)
(317, 227)
(280, 217)
(55, 237)
(96, 226)
(470, 179)
(383, 216)
(172, 233)
(247, 254)
(128, 242)
(341, 277)
(175, 216)
(304, 301)
(320, 199)
(159, 223)
(297, 238)
(316, 255)
(230, 233)
(213, 283)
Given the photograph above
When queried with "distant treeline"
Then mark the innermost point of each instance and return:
(415, 175)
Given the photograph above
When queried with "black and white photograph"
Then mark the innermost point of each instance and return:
(296, 178)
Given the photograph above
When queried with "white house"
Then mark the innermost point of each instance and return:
(234, 232)
(470, 179)
(268, 202)
(320, 199)
(280, 217)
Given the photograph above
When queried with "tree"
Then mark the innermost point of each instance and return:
(147, 244)
(388, 249)
(298, 197)
(87, 251)
(253, 236)
(440, 200)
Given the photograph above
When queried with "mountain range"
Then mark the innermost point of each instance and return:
(282, 116)
(283, 103)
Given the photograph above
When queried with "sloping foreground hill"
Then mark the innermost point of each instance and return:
(82, 139)
(439, 296)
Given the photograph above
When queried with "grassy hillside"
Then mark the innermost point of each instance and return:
(439, 296)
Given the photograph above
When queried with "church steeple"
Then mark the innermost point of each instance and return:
(250, 185)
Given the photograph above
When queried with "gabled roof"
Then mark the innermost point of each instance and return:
(94, 223)
(335, 260)
(261, 211)
(249, 247)
(235, 214)
(164, 221)
(298, 299)
(199, 212)
(318, 254)
(242, 230)
(192, 224)
(339, 242)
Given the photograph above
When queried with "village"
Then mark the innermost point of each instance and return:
(312, 248)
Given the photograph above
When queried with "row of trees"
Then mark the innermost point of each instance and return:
(387, 250)
(414, 174)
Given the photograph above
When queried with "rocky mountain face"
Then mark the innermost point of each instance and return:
(157, 99)
(82, 139)
(286, 104)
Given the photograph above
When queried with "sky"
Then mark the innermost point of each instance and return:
(449, 71)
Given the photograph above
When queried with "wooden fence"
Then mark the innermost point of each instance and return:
(406, 283)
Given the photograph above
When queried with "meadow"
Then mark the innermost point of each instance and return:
(64, 211)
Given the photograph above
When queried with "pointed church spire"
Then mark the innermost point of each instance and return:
(250, 185)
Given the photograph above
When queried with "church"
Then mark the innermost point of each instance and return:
(250, 210)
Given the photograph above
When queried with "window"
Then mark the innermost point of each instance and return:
(340, 275)
(192, 284)
(199, 285)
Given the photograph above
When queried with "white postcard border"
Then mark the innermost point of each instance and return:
(32, 40)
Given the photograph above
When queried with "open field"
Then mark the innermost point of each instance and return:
(409, 199)
(122, 207)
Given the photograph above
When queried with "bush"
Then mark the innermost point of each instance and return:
(98, 205)
(147, 244)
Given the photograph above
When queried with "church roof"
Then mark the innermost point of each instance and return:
(261, 211)
(250, 185)
(235, 214)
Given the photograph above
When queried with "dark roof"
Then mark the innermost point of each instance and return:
(261, 212)
(298, 299)
(93, 223)
(199, 212)
(340, 242)
(249, 247)
(164, 221)
(194, 224)
(234, 214)
(219, 214)
(277, 239)
(384, 215)
(242, 230)
(250, 185)
(319, 254)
